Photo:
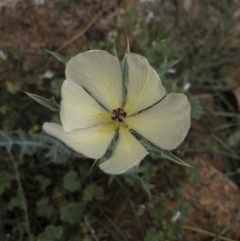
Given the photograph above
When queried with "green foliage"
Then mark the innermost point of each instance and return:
(183, 49)
(125, 76)
(44, 208)
(56, 85)
(16, 53)
(92, 192)
(59, 57)
(156, 152)
(177, 232)
(71, 182)
(152, 235)
(5, 180)
(51, 233)
(165, 66)
(45, 182)
(194, 174)
(165, 232)
(32, 144)
(48, 103)
(196, 108)
(168, 155)
(234, 138)
(184, 209)
(15, 202)
(27, 66)
(135, 180)
(72, 212)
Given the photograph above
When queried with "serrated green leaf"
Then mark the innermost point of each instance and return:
(30, 144)
(72, 212)
(196, 108)
(27, 145)
(51, 233)
(92, 192)
(59, 57)
(5, 180)
(71, 182)
(49, 103)
(168, 155)
(6, 140)
(163, 153)
(44, 208)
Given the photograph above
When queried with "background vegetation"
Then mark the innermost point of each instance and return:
(47, 191)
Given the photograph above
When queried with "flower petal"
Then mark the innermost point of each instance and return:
(91, 142)
(128, 153)
(78, 109)
(144, 87)
(100, 74)
(166, 124)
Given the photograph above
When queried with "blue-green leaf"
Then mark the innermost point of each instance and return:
(163, 153)
(125, 78)
(49, 103)
(168, 155)
(59, 57)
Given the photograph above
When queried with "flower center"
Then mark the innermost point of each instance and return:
(118, 114)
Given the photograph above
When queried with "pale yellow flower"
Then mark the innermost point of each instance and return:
(88, 126)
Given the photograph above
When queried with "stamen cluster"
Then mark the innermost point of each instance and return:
(118, 114)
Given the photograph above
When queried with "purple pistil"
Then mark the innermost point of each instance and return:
(118, 114)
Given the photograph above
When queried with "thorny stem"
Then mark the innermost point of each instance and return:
(22, 195)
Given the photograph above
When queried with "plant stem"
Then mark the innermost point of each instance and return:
(22, 195)
(1, 224)
(206, 233)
